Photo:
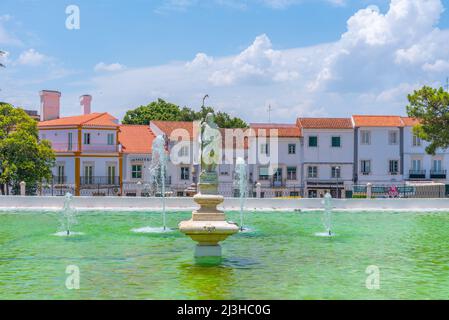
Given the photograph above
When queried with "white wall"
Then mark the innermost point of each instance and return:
(9, 203)
(419, 152)
(380, 152)
(99, 141)
(59, 138)
(325, 156)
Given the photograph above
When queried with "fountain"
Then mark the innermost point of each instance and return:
(243, 185)
(158, 169)
(67, 217)
(208, 225)
(327, 216)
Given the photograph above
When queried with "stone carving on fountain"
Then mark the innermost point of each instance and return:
(208, 225)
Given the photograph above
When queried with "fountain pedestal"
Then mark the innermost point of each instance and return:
(208, 226)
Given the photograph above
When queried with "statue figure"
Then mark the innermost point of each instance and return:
(210, 142)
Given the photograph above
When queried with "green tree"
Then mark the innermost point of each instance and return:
(165, 111)
(431, 107)
(22, 156)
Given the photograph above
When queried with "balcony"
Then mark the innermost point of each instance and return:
(57, 180)
(438, 174)
(278, 183)
(417, 174)
(102, 181)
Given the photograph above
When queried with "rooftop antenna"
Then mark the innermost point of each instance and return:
(269, 113)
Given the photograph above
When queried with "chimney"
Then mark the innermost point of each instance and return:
(85, 101)
(50, 104)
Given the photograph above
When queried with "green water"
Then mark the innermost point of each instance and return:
(280, 259)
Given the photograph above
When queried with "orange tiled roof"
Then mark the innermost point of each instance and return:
(93, 119)
(377, 121)
(325, 123)
(136, 139)
(410, 122)
(169, 126)
(284, 130)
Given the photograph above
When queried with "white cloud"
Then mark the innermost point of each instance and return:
(201, 60)
(31, 58)
(438, 66)
(380, 58)
(103, 67)
(361, 71)
(6, 37)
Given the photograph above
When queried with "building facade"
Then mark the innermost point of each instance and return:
(95, 155)
(327, 146)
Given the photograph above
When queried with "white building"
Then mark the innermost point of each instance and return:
(378, 149)
(275, 150)
(88, 156)
(327, 155)
(136, 142)
(418, 165)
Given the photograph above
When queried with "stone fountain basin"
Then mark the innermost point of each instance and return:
(208, 233)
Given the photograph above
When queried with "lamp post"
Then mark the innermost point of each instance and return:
(337, 173)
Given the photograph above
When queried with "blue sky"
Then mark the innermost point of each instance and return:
(304, 57)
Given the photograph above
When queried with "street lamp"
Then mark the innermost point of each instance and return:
(337, 174)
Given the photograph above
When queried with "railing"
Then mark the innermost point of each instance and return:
(56, 180)
(417, 174)
(278, 183)
(384, 191)
(103, 181)
(438, 174)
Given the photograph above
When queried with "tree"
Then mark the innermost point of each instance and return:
(165, 111)
(22, 156)
(431, 107)
(2, 53)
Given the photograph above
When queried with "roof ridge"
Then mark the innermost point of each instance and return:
(96, 117)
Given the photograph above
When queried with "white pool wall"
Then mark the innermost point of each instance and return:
(128, 203)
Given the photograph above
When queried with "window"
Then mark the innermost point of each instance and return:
(313, 141)
(416, 141)
(292, 148)
(60, 179)
(264, 149)
(110, 139)
(291, 173)
(365, 167)
(336, 142)
(393, 137)
(70, 141)
(437, 165)
(294, 194)
(312, 172)
(183, 151)
(185, 173)
(336, 172)
(365, 137)
(224, 169)
(87, 138)
(416, 165)
(277, 176)
(263, 173)
(111, 175)
(394, 167)
(136, 171)
(88, 174)
(278, 194)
